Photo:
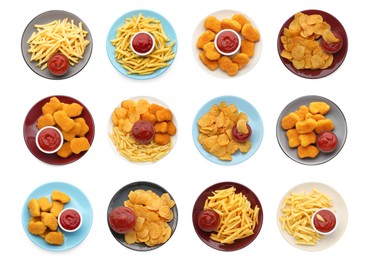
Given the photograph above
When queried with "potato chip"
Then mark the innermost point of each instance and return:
(223, 139)
(329, 37)
(142, 106)
(242, 126)
(130, 237)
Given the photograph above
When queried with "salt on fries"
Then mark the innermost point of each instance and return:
(297, 212)
(135, 152)
(237, 219)
(57, 36)
(133, 63)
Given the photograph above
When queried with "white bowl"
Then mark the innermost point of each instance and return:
(139, 53)
(58, 132)
(60, 217)
(321, 232)
(228, 53)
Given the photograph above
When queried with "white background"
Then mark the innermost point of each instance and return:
(184, 87)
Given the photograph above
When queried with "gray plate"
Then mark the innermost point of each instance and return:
(47, 17)
(335, 114)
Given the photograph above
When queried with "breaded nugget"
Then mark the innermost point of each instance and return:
(79, 144)
(250, 33)
(36, 227)
(247, 47)
(310, 151)
(212, 23)
(55, 238)
(63, 120)
(240, 18)
(45, 120)
(34, 208)
(289, 121)
(65, 150)
(204, 38)
(293, 138)
(164, 115)
(210, 51)
(306, 126)
(324, 125)
(43, 235)
(153, 108)
(60, 196)
(84, 128)
(52, 106)
(162, 139)
(68, 136)
(231, 24)
(211, 64)
(149, 117)
(160, 127)
(319, 107)
(171, 128)
(50, 221)
(226, 64)
(44, 203)
(317, 117)
(241, 59)
(302, 112)
(307, 139)
(57, 207)
(73, 109)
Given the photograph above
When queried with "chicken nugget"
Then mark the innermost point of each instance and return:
(226, 64)
(310, 151)
(73, 109)
(84, 129)
(68, 136)
(210, 51)
(160, 127)
(34, 208)
(204, 38)
(324, 125)
(319, 107)
(55, 238)
(149, 117)
(45, 120)
(65, 150)
(63, 120)
(211, 64)
(302, 112)
(240, 18)
(79, 144)
(307, 139)
(212, 23)
(250, 33)
(50, 221)
(162, 139)
(247, 47)
(43, 235)
(306, 126)
(57, 207)
(289, 121)
(36, 227)
(293, 138)
(231, 24)
(317, 117)
(241, 59)
(171, 128)
(60, 196)
(44, 203)
(164, 115)
(52, 106)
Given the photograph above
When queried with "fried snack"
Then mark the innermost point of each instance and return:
(247, 47)
(36, 227)
(79, 144)
(213, 24)
(204, 38)
(231, 24)
(324, 125)
(211, 52)
(34, 208)
(84, 128)
(241, 59)
(57, 207)
(211, 64)
(44, 203)
(45, 120)
(149, 117)
(162, 139)
(55, 238)
(306, 126)
(228, 66)
(302, 112)
(50, 221)
(51, 106)
(237, 218)
(241, 19)
(250, 33)
(63, 120)
(65, 150)
(160, 127)
(307, 139)
(164, 115)
(310, 151)
(290, 121)
(68, 136)
(73, 109)
(154, 108)
(293, 138)
(60, 196)
(319, 108)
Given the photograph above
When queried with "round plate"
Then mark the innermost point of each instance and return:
(170, 32)
(78, 201)
(122, 195)
(339, 206)
(30, 130)
(254, 121)
(338, 57)
(200, 29)
(150, 100)
(335, 114)
(47, 17)
(205, 236)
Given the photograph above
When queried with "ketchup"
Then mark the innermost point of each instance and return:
(122, 219)
(208, 220)
(58, 64)
(142, 43)
(332, 47)
(69, 219)
(326, 141)
(143, 131)
(326, 223)
(227, 41)
(49, 139)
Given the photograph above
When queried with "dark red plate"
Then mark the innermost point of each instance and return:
(205, 236)
(338, 57)
(30, 130)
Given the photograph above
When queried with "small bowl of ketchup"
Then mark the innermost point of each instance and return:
(142, 43)
(58, 64)
(227, 42)
(49, 139)
(70, 220)
(324, 221)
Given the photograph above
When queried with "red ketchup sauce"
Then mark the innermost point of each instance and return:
(327, 141)
(49, 139)
(208, 220)
(142, 43)
(333, 47)
(227, 41)
(143, 131)
(58, 64)
(122, 219)
(327, 225)
(70, 219)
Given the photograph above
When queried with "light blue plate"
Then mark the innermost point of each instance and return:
(170, 32)
(254, 121)
(78, 201)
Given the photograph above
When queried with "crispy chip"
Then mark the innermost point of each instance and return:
(242, 126)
